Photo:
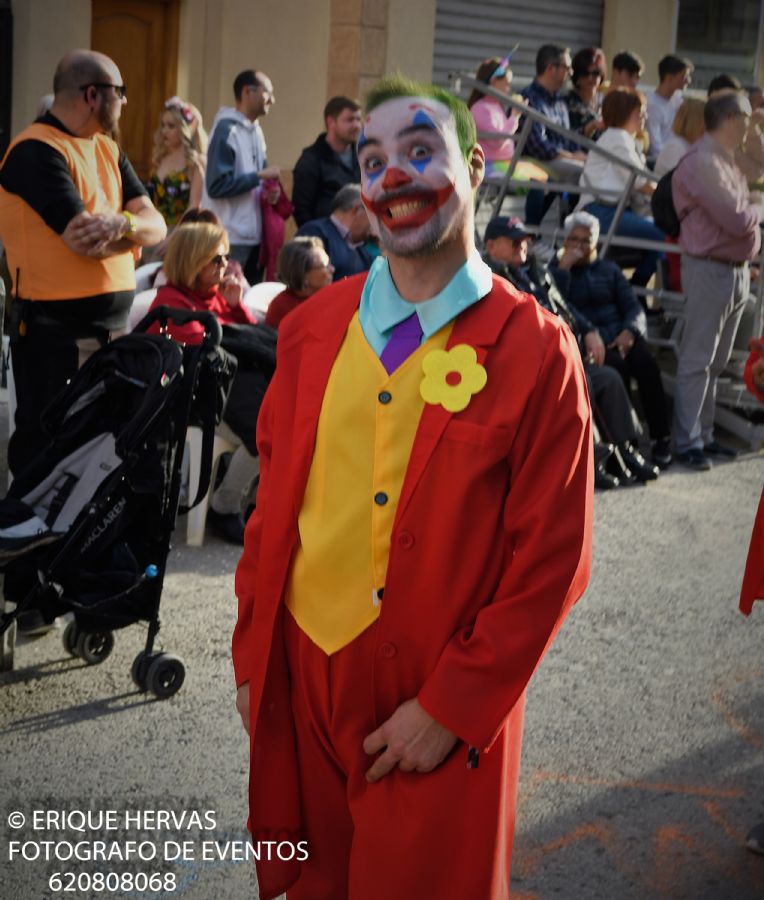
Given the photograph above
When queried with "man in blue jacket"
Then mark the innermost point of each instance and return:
(343, 232)
(236, 164)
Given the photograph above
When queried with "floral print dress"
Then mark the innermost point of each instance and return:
(170, 195)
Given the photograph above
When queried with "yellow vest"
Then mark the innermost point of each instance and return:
(48, 269)
(365, 434)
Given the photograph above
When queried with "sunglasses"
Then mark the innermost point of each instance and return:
(221, 259)
(119, 89)
(593, 73)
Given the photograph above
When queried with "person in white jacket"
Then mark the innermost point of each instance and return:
(236, 163)
(603, 181)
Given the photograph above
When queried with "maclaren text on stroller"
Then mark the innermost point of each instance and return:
(86, 527)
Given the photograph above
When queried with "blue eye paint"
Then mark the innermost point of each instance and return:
(423, 120)
(361, 139)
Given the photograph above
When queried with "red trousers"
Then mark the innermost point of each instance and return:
(447, 833)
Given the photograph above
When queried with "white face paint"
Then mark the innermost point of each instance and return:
(415, 181)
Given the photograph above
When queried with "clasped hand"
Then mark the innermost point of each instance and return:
(90, 234)
(622, 342)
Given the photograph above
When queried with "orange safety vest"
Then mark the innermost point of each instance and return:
(47, 268)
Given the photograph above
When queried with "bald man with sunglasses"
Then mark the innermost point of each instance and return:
(73, 215)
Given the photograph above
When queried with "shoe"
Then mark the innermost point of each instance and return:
(717, 449)
(228, 527)
(639, 466)
(616, 465)
(694, 458)
(603, 480)
(662, 453)
(32, 623)
(755, 839)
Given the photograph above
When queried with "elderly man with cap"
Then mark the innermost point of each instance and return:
(507, 242)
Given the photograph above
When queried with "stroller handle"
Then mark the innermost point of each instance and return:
(213, 333)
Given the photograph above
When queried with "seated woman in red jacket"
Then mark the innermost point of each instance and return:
(304, 268)
(195, 264)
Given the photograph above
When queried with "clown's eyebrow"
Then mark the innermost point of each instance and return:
(422, 122)
(429, 125)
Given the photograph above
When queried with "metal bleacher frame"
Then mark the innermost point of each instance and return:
(735, 406)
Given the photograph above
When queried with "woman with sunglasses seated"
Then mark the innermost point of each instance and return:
(584, 100)
(194, 265)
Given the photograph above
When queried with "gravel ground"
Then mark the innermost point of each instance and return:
(642, 768)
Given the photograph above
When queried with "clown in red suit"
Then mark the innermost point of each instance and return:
(753, 580)
(423, 526)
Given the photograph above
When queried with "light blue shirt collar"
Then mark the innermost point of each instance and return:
(382, 307)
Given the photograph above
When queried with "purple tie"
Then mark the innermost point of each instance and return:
(402, 343)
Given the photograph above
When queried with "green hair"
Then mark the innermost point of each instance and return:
(391, 87)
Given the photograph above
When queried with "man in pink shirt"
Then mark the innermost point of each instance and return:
(720, 234)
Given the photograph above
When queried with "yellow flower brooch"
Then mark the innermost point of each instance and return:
(451, 377)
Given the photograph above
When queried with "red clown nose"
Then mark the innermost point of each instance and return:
(394, 178)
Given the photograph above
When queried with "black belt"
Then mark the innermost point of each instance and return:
(735, 263)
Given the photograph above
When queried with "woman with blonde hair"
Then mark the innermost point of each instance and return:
(179, 160)
(687, 127)
(195, 264)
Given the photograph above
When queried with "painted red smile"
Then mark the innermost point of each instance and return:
(409, 210)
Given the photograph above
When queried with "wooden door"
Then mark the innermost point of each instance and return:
(141, 36)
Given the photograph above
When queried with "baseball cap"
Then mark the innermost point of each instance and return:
(505, 226)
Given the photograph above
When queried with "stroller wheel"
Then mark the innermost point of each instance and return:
(69, 638)
(139, 669)
(94, 646)
(7, 647)
(165, 675)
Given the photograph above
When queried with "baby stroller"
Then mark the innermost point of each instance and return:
(85, 528)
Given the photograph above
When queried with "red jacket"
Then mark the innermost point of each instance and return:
(753, 579)
(281, 305)
(211, 301)
(490, 547)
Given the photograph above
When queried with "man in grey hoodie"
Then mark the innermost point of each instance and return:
(236, 164)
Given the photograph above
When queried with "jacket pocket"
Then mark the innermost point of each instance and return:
(495, 437)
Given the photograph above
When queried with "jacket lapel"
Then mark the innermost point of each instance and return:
(479, 327)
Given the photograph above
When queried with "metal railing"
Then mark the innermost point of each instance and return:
(610, 238)
(671, 301)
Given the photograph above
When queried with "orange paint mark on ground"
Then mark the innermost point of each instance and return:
(715, 813)
(528, 861)
(676, 849)
(736, 722)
